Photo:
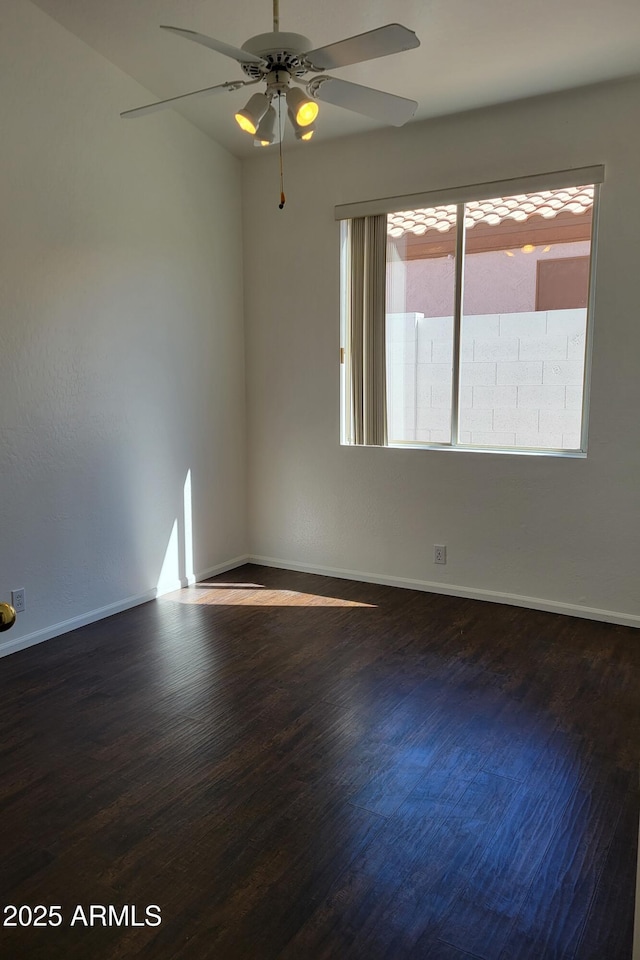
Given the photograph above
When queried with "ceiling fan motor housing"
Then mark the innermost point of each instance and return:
(282, 51)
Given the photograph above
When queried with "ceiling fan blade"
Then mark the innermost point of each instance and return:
(386, 107)
(242, 56)
(162, 104)
(394, 38)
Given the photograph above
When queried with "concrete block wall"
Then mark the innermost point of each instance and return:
(520, 383)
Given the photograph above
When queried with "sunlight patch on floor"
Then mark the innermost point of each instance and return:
(254, 595)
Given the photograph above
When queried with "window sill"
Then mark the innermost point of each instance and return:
(460, 448)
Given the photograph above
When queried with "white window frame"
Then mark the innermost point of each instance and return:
(459, 196)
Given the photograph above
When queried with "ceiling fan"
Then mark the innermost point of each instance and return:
(280, 59)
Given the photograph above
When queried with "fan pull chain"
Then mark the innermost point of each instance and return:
(282, 196)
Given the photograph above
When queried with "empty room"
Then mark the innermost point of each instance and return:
(319, 489)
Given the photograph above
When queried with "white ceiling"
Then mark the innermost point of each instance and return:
(472, 53)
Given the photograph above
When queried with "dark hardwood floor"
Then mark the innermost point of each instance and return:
(294, 768)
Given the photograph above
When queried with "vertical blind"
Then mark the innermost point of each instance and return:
(367, 242)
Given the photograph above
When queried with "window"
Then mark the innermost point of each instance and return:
(482, 341)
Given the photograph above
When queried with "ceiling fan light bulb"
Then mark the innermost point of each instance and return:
(305, 133)
(307, 113)
(245, 123)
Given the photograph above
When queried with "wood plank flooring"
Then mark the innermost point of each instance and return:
(299, 768)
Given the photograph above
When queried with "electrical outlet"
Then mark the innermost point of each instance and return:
(18, 600)
(439, 553)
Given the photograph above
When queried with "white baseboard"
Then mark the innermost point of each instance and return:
(65, 626)
(222, 567)
(202, 575)
(534, 603)
(455, 590)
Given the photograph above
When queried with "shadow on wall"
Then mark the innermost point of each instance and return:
(177, 567)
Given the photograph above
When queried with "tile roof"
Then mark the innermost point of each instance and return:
(546, 203)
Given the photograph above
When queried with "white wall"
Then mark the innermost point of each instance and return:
(561, 531)
(122, 364)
